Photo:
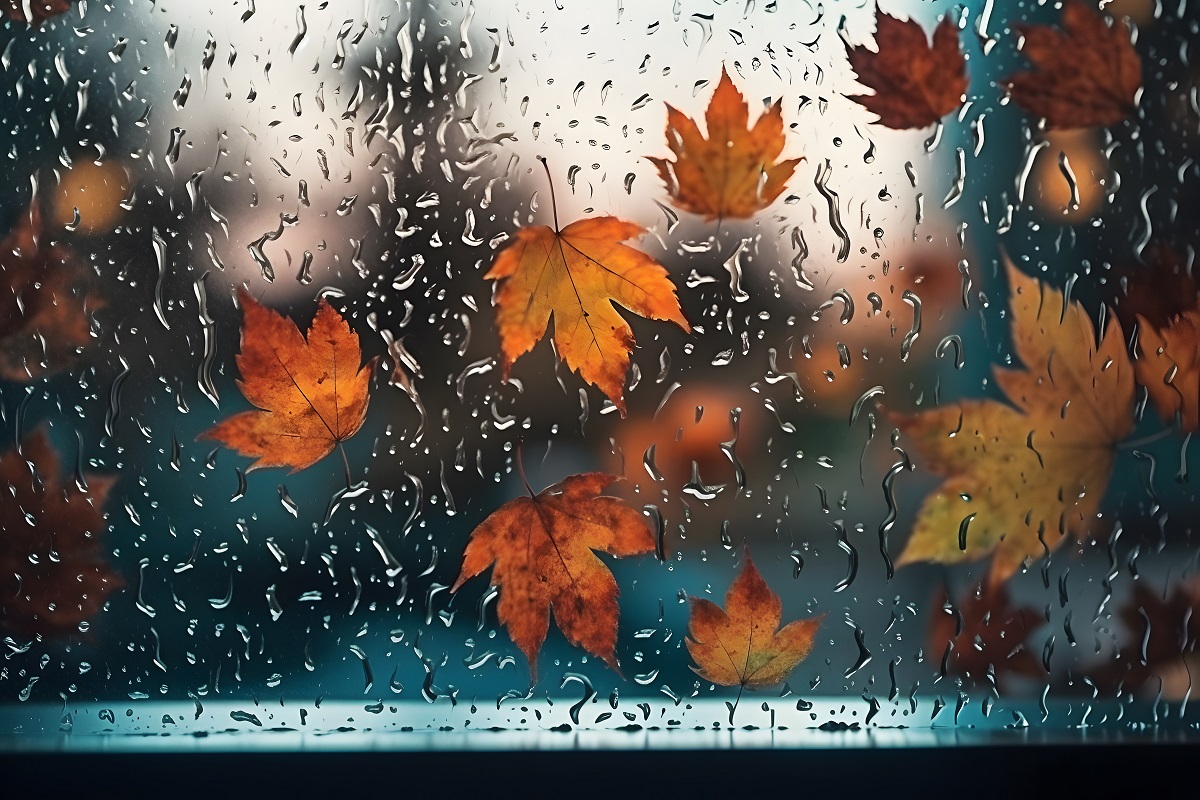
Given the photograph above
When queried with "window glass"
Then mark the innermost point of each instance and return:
(470, 365)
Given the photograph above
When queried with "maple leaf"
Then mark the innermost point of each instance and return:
(45, 303)
(983, 640)
(733, 172)
(1085, 75)
(53, 573)
(1018, 479)
(542, 548)
(1165, 630)
(740, 645)
(916, 83)
(35, 12)
(575, 275)
(312, 393)
(1160, 288)
(1169, 367)
(1161, 299)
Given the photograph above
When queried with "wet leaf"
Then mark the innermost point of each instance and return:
(1085, 74)
(542, 547)
(916, 82)
(34, 12)
(983, 639)
(312, 392)
(576, 275)
(1019, 479)
(732, 173)
(742, 644)
(53, 571)
(45, 305)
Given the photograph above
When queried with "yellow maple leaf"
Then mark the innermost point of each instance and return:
(1019, 479)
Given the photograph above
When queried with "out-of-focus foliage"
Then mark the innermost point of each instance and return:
(1020, 479)
(53, 571)
(916, 82)
(1085, 74)
(47, 303)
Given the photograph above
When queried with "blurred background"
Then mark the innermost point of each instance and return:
(378, 154)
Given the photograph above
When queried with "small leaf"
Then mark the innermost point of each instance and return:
(733, 172)
(916, 83)
(313, 393)
(740, 645)
(542, 548)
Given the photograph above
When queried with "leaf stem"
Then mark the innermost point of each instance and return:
(738, 699)
(1145, 440)
(553, 199)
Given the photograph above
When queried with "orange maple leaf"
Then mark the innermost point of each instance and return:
(45, 303)
(1168, 365)
(542, 546)
(916, 83)
(1019, 479)
(53, 573)
(575, 275)
(740, 645)
(313, 395)
(731, 173)
(1085, 75)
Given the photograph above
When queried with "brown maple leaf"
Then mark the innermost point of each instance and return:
(35, 12)
(1161, 300)
(1168, 365)
(575, 275)
(1160, 289)
(1085, 75)
(983, 639)
(312, 392)
(743, 645)
(732, 173)
(1017, 480)
(1163, 630)
(53, 572)
(916, 82)
(542, 548)
(45, 303)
